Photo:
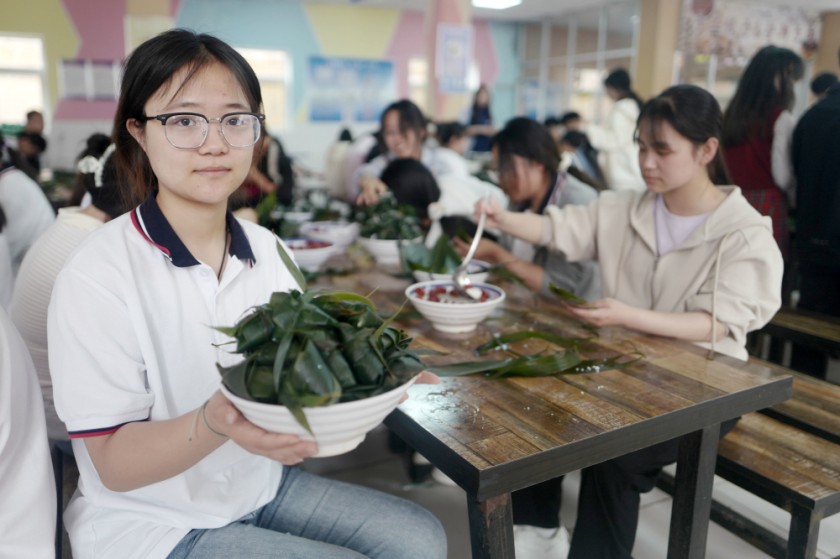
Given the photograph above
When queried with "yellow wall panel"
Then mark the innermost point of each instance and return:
(147, 7)
(353, 31)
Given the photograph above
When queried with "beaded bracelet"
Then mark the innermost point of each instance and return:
(204, 418)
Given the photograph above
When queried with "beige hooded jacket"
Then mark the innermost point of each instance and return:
(729, 267)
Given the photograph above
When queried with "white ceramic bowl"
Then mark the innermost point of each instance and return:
(386, 252)
(338, 428)
(453, 317)
(477, 270)
(310, 254)
(340, 233)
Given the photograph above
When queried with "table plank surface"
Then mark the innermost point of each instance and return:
(494, 436)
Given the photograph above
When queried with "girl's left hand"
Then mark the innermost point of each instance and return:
(604, 312)
(424, 377)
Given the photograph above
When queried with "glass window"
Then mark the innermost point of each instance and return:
(559, 45)
(21, 78)
(587, 31)
(533, 40)
(572, 75)
(418, 70)
(274, 70)
(621, 24)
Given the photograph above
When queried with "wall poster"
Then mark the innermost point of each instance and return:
(349, 89)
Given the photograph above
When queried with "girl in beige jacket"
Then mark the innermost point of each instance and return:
(687, 258)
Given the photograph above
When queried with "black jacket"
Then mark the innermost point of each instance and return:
(816, 163)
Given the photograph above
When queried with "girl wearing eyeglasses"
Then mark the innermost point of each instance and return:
(168, 467)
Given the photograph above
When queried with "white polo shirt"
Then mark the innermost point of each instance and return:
(131, 339)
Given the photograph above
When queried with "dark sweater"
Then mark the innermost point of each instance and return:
(816, 162)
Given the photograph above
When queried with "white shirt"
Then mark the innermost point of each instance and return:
(28, 212)
(438, 163)
(33, 289)
(7, 278)
(616, 143)
(458, 196)
(781, 155)
(27, 486)
(132, 339)
(672, 229)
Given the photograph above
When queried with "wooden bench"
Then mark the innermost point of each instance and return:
(816, 331)
(788, 455)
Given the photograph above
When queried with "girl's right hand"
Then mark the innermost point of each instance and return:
(223, 417)
(494, 210)
(371, 189)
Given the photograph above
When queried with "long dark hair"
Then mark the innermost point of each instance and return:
(619, 80)
(477, 111)
(412, 184)
(95, 146)
(695, 114)
(410, 117)
(529, 139)
(765, 86)
(151, 66)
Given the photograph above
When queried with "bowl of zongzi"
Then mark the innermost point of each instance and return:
(322, 365)
(337, 428)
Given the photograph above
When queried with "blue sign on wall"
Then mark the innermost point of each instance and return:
(349, 89)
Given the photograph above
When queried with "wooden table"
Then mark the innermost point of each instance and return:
(493, 437)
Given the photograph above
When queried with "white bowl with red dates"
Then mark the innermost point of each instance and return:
(310, 254)
(340, 233)
(450, 311)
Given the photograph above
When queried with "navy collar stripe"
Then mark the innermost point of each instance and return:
(135, 219)
(153, 226)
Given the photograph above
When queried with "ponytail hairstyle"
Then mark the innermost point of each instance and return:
(695, 114)
(619, 80)
(99, 177)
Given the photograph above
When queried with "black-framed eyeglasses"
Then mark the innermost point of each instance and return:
(189, 130)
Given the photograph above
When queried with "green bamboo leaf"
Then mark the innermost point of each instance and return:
(226, 330)
(253, 332)
(504, 340)
(280, 356)
(260, 385)
(310, 380)
(538, 366)
(568, 296)
(467, 368)
(234, 377)
(341, 369)
(293, 269)
(296, 409)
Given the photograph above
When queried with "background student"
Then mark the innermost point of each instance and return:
(44, 259)
(614, 139)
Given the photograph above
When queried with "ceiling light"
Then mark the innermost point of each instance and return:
(495, 4)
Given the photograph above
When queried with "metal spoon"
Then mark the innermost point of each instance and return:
(460, 278)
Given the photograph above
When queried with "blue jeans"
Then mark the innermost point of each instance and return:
(322, 518)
